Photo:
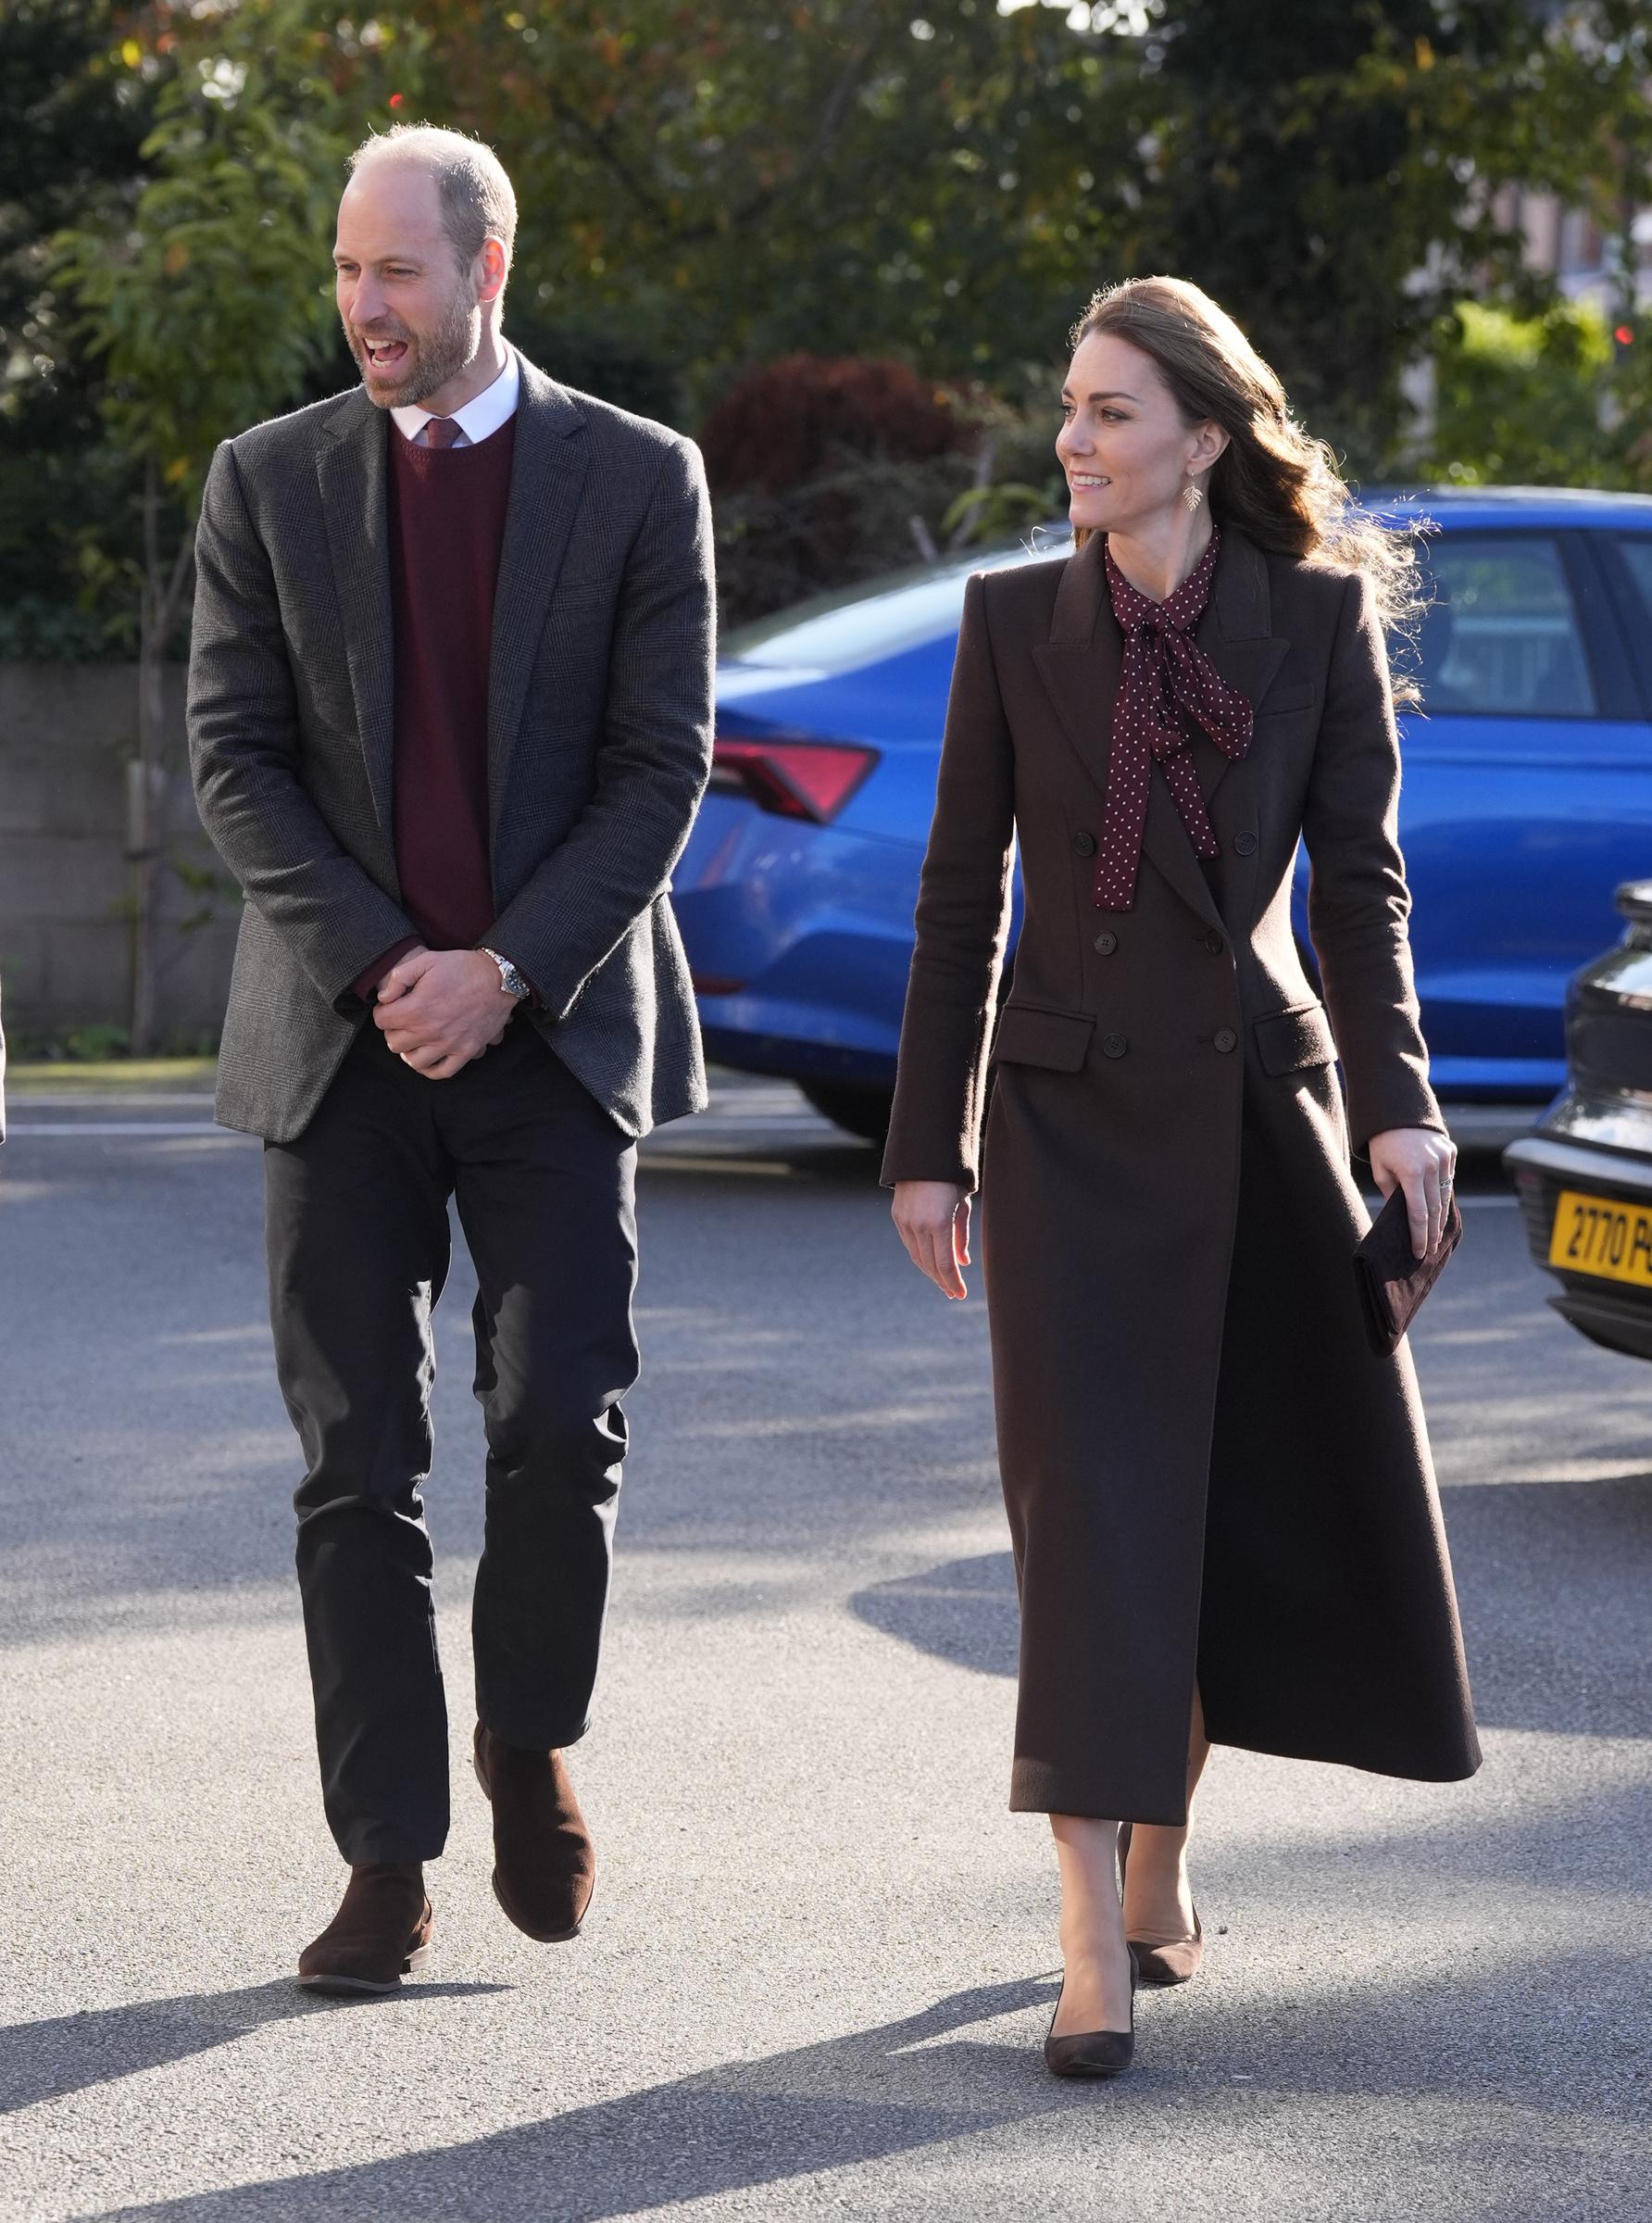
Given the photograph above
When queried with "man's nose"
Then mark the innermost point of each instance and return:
(366, 303)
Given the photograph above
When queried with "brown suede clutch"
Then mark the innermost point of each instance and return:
(1392, 1279)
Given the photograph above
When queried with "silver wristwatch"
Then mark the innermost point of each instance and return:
(510, 980)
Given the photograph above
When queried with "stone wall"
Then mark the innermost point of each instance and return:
(65, 733)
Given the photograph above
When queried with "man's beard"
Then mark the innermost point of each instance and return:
(433, 358)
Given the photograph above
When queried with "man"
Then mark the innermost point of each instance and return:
(449, 717)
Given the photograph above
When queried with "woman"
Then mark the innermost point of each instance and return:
(1221, 1502)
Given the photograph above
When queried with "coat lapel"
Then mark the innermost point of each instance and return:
(1235, 633)
(548, 475)
(1079, 663)
(352, 467)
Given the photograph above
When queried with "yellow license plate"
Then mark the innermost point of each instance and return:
(1595, 1235)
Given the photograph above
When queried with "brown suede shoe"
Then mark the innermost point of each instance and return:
(380, 1933)
(544, 1866)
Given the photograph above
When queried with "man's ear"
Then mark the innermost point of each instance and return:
(492, 270)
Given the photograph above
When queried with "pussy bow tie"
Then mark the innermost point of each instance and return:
(1163, 673)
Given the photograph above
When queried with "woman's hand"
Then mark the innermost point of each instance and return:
(932, 1218)
(1424, 1164)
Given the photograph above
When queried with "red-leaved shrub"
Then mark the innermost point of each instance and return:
(794, 419)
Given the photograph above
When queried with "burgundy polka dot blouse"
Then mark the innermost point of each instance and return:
(1163, 673)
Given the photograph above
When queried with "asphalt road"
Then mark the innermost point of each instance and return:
(821, 1956)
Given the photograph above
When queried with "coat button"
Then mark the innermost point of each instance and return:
(1214, 943)
(1113, 1046)
(1245, 844)
(1107, 943)
(1084, 844)
(1226, 1039)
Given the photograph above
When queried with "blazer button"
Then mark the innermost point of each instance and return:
(1113, 1046)
(1084, 844)
(1226, 1039)
(1245, 844)
(1107, 943)
(1214, 943)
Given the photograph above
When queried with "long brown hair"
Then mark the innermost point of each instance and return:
(1276, 482)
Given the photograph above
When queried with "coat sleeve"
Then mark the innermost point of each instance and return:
(963, 920)
(654, 757)
(242, 721)
(1357, 902)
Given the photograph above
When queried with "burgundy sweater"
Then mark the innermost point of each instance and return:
(446, 528)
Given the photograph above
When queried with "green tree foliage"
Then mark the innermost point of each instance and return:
(1599, 142)
(204, 309)
(706, 187)
(736, 183)
(1326, 174)
(74, 120)
(1537, 400)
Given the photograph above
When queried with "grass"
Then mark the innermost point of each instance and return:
(64, 1075)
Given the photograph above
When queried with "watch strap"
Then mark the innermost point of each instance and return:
(510, 980)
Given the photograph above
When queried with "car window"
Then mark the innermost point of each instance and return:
(1499, 637)
(866, 623)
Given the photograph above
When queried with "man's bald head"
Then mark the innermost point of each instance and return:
(475, 195)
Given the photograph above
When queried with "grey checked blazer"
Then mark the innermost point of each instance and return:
(599, 741)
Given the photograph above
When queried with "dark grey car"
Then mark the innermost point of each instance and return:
(1584, 1174)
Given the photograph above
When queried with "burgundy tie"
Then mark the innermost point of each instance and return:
(441, 431)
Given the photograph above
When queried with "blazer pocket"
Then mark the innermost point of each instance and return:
(1291, 1041)
(1302, 696)
(1031, 1034)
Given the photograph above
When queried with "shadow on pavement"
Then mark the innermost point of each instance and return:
(849, 2100)
(1553, 1578)
(70, 2052)
(920, 2082)
(964, 1611)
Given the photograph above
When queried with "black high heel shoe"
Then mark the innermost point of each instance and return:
(1092, 2053)
(1177, 1963)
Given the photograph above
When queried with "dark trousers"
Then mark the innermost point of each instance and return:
(358, 1246)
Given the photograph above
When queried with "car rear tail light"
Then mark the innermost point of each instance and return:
(793, 779)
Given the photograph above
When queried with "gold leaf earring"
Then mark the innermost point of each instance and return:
(1193, 495)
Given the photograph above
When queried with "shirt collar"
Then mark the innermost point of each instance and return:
(494, 406)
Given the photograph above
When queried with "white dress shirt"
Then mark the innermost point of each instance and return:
(494, 406)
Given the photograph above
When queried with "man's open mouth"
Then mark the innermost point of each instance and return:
(384, 355)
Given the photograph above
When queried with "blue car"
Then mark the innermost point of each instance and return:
(1527, 797)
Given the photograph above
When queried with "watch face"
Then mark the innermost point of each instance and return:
(510, 980)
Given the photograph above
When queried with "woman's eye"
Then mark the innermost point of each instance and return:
(1066, 412)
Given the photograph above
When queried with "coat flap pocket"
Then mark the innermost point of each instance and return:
(1029, 1035)
(1287, 1041)
(1301, 694)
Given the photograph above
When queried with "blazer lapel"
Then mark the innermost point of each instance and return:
(352, 467)
(1235, 633)
(547, 474)
(1079, 665)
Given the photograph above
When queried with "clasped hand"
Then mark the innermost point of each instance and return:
(1424, 1164)
(438, 1008)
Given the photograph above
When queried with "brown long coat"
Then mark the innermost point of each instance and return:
(1208, 1472)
